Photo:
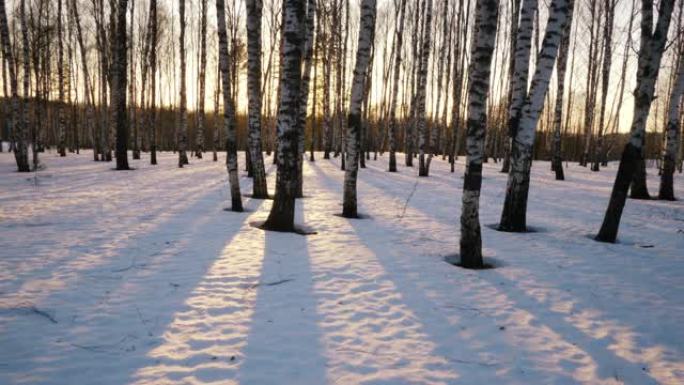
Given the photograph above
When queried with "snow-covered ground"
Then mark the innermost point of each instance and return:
(141, 277)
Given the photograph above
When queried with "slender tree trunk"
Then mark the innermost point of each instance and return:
(19, 129)
(561, 66)
(153, 82)
(673, 134)
(651, 49)
(61, 143)
(228, 109)
(119, 87)
(514, 215)
(281, 217)
(254, 15)
(398, 41)
(486, 13)
(304, 92)
(421, 116)
(182, 137)
(366, 37)
(199, 138)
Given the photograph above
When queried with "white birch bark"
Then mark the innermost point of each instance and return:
(673, 134)
(228, 109)
(281, 217)
(651, 49)
(254, 15)
(482, 47)
(366, 37)
(182, 106)
(20, 137)
(398, 41)
(513, 217)
(421, 115)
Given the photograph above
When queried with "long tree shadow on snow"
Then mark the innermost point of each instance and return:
(108, 332)
(283, 345)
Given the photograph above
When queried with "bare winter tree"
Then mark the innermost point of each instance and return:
(182, 107)
(363, 51)
(199, 138)
(119, 87)
(673, 133)
(486, 13)
(307, 61)
(651, 49)
(561, 66)
(421, 117)
(228, 108)
(281, 217)
(20, 130)
(61, 142)
(393, 126)
(514, 215)
(254, 14)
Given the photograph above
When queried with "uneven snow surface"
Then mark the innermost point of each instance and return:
(141, 277)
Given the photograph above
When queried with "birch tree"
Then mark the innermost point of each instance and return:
(254, 15)
(20, 137)
(61, 143)
(307, 60)
(119, 87)
(651, 49)
(561, 65)
(199, 138)
(673, 134)
(281, 217)
(363, 51)
(486, 13)
(182, 107)
(423, 144)
(514, 215)
(228, 108)
(398, 43)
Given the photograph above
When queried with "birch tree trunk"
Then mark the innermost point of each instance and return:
(421, 116)
(19, 129)
(486, 13)
(561, 66)
(89, 93)
(199, 138)
(61, 143)
(182, 107)
(153, 81)
(398, 41)
(513, 217)
(228, 109)
(673, 134)
(521, 66)
(119, 87)
(304, 92)
(609, 6)
(651, 49)
(363, 51)
(281, 217)
(254, 15)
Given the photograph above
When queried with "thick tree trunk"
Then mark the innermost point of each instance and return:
(513, 217)
(486, 13)
(363, 52)
(281, 217)
(254, 14)
(228, 109)
(119, 83)
(650, 54)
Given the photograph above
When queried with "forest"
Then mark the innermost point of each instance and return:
(341, 191)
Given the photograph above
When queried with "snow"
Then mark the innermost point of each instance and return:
(141, 277)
